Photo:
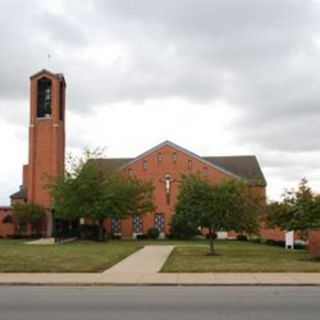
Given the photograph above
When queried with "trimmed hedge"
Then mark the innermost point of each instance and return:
(242, 237)
(153, 233)
(89, 232)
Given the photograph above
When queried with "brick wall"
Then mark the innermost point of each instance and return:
(314, 243)
(5, 228)
(155, 166)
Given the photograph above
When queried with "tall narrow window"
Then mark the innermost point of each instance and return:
(205, 171)
(137, 224)
(174, 157)
(189, 164)
(115, 226)
(159, 222)
(145, 165)
(44, 98)
(159, 158)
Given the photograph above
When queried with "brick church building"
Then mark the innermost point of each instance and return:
(163, 164)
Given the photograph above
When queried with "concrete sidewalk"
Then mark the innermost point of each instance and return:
(161, 279)
(149, 259)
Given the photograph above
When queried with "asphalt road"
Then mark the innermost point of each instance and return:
(154, 303)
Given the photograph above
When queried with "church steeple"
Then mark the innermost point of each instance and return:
(46, 135)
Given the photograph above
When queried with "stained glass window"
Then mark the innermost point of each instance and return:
(137, 224)
(159, 222)
(115, 226)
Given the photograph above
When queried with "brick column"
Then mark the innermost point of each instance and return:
(314, 243)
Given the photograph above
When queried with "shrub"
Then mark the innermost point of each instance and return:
(142, 237)
(169, 236)
(242, 237)
(257, 240)
(36, 236)
(181, 229)
(280, 243)
(270, 242)
(277, 243)
(153, 233)
(18, 236)
(15, 236)
(89, 232)
(115, 237)
(299, 246)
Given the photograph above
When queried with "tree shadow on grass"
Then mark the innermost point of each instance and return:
(216, 254)
(313, 259)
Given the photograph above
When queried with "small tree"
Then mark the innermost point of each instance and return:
(88, 191)
(299, 210)
(28, 213)
(227, 206)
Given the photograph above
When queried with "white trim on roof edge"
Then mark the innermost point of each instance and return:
(189, 153)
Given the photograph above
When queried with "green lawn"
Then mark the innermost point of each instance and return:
(236, 256)
(188, 256)
(81, 256)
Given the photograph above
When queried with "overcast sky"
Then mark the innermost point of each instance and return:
(225, 77)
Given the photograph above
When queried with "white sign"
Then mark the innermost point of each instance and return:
(290, 240)
(222, 235)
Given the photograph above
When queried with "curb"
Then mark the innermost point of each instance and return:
(110, 284)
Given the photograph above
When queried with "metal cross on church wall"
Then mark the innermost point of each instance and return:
(168, 180)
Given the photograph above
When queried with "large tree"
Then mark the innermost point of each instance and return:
(298, 210)
(229, 205)
(87, 191)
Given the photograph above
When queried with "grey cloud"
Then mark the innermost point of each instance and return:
(66, 30)
(259, 56)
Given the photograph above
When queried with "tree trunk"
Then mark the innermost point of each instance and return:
(212, 249)
(101, 231)
(49, 220)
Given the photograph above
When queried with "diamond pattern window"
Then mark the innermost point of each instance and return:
(137, 224)
(159, 222)
(115, 226)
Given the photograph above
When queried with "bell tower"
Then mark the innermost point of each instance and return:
(46, 137)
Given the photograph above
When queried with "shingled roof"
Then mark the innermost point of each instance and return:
(19, 195)
(111, 164)
(58, 76)
(246, 167)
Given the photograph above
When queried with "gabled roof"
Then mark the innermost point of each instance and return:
(111, 164)
(243, 167)
(58, 76)
(191, 154)
(19, 195)
(4, 208)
